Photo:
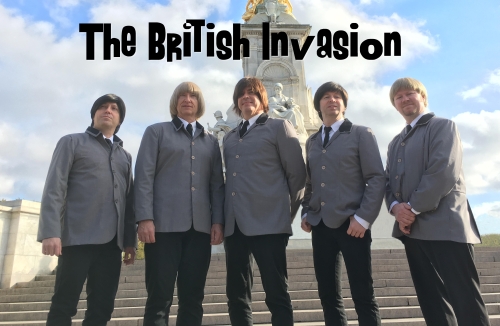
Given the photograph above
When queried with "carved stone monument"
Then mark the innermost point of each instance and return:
(283, 70)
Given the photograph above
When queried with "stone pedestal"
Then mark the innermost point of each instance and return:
(21, 257)
(283, 69)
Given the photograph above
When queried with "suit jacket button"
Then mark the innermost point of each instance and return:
(399, 160)
(237, 156)
(192, 157)
(193, 189)
(234, 194)
(241, 140)
(322, 203)
(396, 177)
(403, 143)
(322, 185)
(234, 174)
(323, 167)
(397, 194)
(324, 151)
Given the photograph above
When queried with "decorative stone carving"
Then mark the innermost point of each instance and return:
(283, 107)
(219, 130)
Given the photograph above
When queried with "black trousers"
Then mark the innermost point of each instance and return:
(269, 252)
(329, 245)
(98, 264)
(446, 282)
(184, 256)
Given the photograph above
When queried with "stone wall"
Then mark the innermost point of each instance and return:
(21, 257)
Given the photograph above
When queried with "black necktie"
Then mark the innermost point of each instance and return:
(327, 136)
(110, 144)
(244, 128)
(408, 128)
(189, 129)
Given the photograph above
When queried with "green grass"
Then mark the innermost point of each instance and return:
(490, 240)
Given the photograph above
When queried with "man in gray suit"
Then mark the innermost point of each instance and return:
(344, 192)
(87, 216)
(265, 178)
(426, 194)
(179, 202)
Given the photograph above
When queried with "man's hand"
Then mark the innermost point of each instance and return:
(355, 229)
(305, 225)
(129, 256)
(216, 234)
(146, 231)
(405, 229)
(404, 216)
(52, 246)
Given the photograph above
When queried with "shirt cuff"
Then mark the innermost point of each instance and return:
(363, 223)
(304, 216)
(392, 205)
(414, 211)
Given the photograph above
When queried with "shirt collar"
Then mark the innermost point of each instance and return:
(252, 120)
(185, 123)
(334, 126)
(414, 122)
(111, 139)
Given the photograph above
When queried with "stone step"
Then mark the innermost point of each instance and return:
(389, 301)
(218, 278)
(408, 314)
(219, 301)
(377, 259)
(299, 282)
(258, 307)
(400, 265)
(380, 272)
(28, 303)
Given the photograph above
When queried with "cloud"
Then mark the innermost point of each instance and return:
(369, 2)
(493, 83)
(488, 217)
(481, 159)
(49, 86)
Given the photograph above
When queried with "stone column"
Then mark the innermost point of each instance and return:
(21, 257)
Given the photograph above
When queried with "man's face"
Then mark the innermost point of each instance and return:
(107, 117)
(331, 105)
(187, 106)
(249, 104)
(409, 103)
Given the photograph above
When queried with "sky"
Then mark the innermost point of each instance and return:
(47, 87)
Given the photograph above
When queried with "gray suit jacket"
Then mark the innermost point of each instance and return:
(178, 180)
(88, 194)
(265, 176)
(345, 178)
(424, 167)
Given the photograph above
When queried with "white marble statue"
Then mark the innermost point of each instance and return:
(283, 107)
(219, 130)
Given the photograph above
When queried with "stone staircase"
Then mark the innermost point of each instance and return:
(28, 303)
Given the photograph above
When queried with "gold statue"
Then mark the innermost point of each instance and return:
(252, 6)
